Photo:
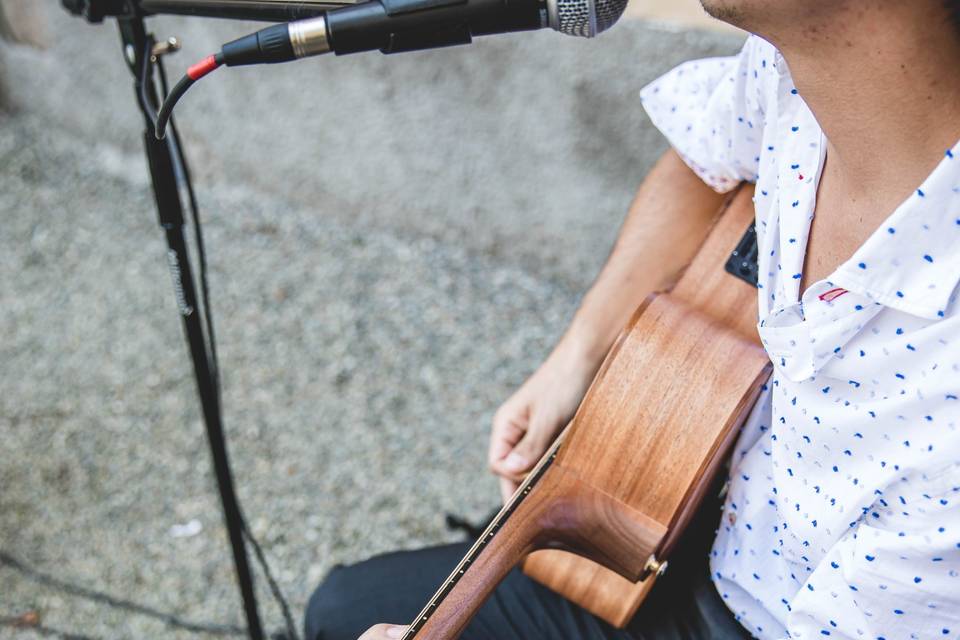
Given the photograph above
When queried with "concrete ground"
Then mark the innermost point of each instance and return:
(395, 243)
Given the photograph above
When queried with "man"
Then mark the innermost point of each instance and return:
(842, 515)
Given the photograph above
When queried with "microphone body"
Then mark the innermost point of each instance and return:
(393, 26)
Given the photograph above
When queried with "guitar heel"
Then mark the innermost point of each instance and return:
(590, 523)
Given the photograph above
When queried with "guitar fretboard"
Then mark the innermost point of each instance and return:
(522, 492)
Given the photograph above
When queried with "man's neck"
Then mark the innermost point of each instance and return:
(884, 84)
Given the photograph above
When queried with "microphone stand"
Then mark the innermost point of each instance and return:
(169, 174)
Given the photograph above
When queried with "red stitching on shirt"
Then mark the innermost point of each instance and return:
(833, 294)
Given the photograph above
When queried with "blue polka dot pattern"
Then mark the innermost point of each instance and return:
(842, 515)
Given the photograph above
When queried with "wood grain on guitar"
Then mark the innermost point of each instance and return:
(606, 505)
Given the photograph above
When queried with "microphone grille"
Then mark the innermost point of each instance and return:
(584, 18)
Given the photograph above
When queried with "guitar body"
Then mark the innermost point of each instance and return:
(605, 507)
(708, 288)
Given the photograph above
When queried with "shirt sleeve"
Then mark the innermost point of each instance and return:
(895, 574)
(712, 113)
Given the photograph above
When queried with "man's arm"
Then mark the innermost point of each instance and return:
(667, 221)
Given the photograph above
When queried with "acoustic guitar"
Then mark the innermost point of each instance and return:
(597, 518)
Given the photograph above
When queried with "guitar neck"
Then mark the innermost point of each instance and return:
(442, 619)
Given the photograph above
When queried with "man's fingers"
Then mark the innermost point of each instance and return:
(513, 467)
(502, 440)
(508, 430)
(531, 448)
(528, 451)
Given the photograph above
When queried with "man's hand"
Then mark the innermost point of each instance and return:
(383, 632)
(526, 424)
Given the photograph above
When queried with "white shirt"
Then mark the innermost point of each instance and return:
(843, 512)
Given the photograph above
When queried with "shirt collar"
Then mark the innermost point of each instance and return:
(912, 261)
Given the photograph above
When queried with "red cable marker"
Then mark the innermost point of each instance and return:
(202, 68)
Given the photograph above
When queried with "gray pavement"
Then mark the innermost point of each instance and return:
(395, 242)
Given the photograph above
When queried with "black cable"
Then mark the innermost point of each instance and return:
(208, 318)
(274, 587)
(163, 116)
(198, 233)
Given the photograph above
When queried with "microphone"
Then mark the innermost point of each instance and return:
(393, 26)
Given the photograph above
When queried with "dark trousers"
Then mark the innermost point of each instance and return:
(394, 587)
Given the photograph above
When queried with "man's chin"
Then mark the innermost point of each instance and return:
(725, 10)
